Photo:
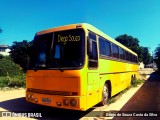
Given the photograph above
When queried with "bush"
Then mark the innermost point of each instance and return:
(1, 56)
(9, 68)
(137, 82)
(11, 74)
(16, 81)
(3, 82)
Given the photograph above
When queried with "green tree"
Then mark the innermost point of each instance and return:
(146, 57)
(129, 41)
(133, 44)
(157, 56)
(20, 52)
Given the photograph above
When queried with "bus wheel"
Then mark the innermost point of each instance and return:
(105, 95)
(133, 80)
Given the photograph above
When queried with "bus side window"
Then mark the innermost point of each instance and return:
(57, 52)
(92, 51)
(104, 47)
(115, 51)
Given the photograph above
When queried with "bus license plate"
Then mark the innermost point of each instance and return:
(46, 100)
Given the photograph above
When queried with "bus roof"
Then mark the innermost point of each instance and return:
(88, 27)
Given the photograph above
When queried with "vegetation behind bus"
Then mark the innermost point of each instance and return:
(13, 67)
(21, 52)
(133, 44)
(157, 56)
(11, 74)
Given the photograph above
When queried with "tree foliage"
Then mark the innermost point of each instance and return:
(146, 57)
(129, 41)
(157, 56)
(133, 44)
(20, 52)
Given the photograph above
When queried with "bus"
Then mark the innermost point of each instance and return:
(77, 66)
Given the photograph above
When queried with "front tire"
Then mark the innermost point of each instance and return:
(105, 95)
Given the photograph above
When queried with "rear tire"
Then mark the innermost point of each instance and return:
(105, 95)
(133, 80)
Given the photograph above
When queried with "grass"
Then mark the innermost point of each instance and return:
(12, 81)
(137, 82)
(116, 97)
(112, 100)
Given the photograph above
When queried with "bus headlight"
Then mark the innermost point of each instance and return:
(36, 100)
(28, 96)
(73, 102)
(66, 102)
(32, 97)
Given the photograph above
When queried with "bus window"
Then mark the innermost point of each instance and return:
(68, 48)
(127, 56)
(93, 55)
(57, 52)
(65, 48)
(108, 48)
(115, 52)
(121, 53)
(104, 47)
(41, 50)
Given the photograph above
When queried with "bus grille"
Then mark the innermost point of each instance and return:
(52, 92)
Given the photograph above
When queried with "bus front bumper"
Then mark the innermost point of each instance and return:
(66, 102)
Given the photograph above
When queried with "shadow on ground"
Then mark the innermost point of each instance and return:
(20, 105)
(146, 99)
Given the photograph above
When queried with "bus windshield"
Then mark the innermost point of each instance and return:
(63, 49)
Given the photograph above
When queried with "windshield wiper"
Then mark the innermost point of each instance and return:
(39, 66)
(59, 66)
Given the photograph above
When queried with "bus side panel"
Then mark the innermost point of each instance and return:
(93, 89)
(119, 73)
(83, 88)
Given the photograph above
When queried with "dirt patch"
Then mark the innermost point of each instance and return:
(145, 73)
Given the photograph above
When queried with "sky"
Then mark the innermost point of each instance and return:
(21, 19)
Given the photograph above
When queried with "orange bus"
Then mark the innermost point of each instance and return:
(77, 66)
